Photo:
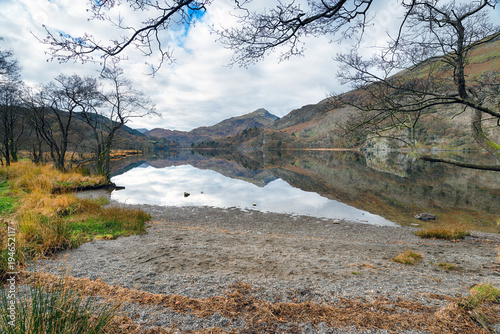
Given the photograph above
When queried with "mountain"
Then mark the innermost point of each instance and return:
(260, 118)
(320, 125)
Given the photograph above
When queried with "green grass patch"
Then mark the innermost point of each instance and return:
(445, 233)
(80, 221)
(480, 294)
(408, 257)
(8, 202)
(109, 223)
(52, 310)
(448, 266)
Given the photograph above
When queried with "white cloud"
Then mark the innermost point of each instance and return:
(198, 89)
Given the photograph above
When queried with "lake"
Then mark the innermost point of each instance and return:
(376, 188)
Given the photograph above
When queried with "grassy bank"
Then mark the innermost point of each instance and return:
(45, 222)
(38, 221)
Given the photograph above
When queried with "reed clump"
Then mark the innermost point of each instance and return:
(54, 309)
(30, 177)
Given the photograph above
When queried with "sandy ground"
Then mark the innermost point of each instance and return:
(198, 252)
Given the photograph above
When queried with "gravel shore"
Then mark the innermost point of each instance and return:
(204, 252)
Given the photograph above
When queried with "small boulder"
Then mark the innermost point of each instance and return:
(425, 216)
(186, 194)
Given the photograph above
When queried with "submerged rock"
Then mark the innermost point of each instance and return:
(425, 216)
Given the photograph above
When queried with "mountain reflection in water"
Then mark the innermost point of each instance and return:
(166, 186)
(363, 187)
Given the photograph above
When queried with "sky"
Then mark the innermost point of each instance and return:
(199, 88)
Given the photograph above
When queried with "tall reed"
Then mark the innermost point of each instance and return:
(53, 309)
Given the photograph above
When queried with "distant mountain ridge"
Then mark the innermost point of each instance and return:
(321, 125)
(260, 118)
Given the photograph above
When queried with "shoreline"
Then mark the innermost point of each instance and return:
(202, 252)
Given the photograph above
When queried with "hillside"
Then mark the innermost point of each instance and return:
(321, 125)
(258, 119)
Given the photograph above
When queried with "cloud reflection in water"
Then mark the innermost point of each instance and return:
(166, 187)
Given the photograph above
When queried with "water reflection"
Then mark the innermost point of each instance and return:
(319, 183)
(166, 186)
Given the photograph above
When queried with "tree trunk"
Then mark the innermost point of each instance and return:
(480, 137)
(461, 164)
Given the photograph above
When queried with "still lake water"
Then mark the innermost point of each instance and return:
(166, 186)
(381, 189)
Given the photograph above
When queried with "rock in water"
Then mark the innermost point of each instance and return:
(425, 216)
(186, 194)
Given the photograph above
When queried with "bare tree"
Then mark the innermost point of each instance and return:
(11, 117)
(52, 110)
(146, 37)
(435, 43)
(283, 25)
(118, 103)
(428, 29)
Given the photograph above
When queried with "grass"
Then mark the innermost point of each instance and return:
(240, 302)
(408, 257)
(52, 310)
(69, 225)
(30, 177)
(443, 232)
(7, 201)
(448, 266)
(47, 222)
(480, 294)
(109, 223)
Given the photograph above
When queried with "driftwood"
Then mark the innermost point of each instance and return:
(107, 186)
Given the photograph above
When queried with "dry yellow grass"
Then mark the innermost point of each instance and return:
(48, 221)
(240, 303)
(40, 236)
(408, 257)
(443, 232)
(47, 204)
(30, 177)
